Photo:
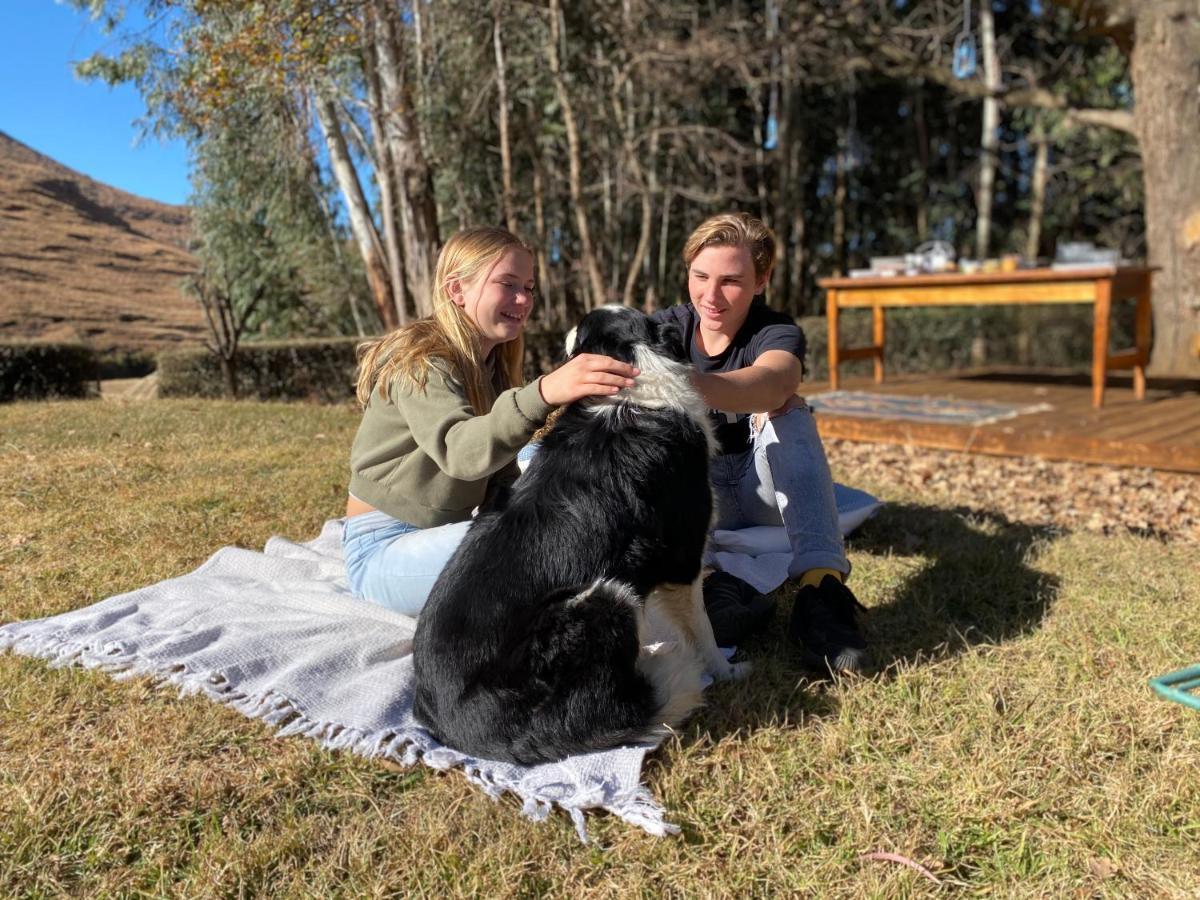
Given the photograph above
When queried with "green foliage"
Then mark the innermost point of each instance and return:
(306, 369)
(124, 364)
(876, 154)
(265, 240)
(37, 371)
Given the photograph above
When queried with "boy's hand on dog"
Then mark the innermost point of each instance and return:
(586, 375)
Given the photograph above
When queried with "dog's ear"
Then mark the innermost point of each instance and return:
(569, 343)
(668, 341)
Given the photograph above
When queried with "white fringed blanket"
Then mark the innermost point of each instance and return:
(277, 636)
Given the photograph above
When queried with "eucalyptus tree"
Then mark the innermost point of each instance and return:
(343, 66)
(246, 278)
(604, 131)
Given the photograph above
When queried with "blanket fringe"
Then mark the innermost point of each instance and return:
(406, 747)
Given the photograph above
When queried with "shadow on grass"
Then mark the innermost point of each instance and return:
(976, 583)
(971, 583)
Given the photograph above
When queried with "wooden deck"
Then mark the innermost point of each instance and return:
(1161, 432)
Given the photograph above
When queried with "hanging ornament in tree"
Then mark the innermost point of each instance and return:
(963, 66)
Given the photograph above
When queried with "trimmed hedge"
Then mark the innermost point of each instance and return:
(918, 340)
(38, 370)
(125, 364)
(319, 369)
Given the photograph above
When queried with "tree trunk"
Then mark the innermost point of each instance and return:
(650, 297)
(317, 185)
(361, 224)
(229, 371)
(666, 296)
(593, 279)
(798, 262)
(798, 274)
(921, 136)
(413, 180)
(385, 170)
(539, 230)
(1037, 200)
(510, 217)
(225, 323)
(839, 205)
(1167, 117)
(646, 186)
(990, 141)
(760, 154)
(1028, 317)
(781, 277)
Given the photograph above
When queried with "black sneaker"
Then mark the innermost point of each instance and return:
(824, 625)
(734, 608)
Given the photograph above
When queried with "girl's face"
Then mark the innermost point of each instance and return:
(499, 299)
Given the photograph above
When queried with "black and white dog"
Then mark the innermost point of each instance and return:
(537, 641)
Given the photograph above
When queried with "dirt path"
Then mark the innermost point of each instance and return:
(130, 388)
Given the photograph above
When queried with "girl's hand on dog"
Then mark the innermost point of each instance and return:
(586, 375)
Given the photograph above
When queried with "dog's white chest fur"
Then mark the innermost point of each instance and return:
(662, 384)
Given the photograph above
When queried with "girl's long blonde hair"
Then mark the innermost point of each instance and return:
(449, 334)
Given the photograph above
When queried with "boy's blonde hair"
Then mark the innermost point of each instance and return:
(735, 230)
(448, 335)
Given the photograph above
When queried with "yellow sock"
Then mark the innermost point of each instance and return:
(814, 576)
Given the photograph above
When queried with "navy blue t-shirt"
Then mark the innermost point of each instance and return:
(764, 329)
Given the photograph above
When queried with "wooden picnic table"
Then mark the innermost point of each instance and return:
(1099, 286)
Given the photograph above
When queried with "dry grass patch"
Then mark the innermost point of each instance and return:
(1010, 745)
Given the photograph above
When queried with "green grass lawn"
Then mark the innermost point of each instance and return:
(1011, 744)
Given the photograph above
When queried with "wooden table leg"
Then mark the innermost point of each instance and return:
(878, 335)
(1101, 315)
(1141, 330)
(831, 321)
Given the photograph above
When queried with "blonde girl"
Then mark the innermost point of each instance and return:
(445, 414)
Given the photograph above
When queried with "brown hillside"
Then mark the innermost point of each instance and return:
(80, 260)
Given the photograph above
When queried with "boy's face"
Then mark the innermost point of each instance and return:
(721, 285)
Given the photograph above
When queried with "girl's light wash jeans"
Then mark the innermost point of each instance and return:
(393, 563)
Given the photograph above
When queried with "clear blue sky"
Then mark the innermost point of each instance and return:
(85, 125)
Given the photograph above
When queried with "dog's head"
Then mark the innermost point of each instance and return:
(616, 331)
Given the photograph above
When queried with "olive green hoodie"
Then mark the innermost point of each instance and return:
(427, 459)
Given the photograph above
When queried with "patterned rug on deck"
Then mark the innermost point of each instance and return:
(942, 410)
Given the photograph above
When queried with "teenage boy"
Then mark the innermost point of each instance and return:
(771, 467)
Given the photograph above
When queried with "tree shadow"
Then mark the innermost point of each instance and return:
(972, 582)
(975, 584)
(67, 191)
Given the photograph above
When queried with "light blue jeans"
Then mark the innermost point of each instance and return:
(783, 479)
(393, 563)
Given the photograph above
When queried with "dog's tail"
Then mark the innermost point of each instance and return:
(603, 686)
